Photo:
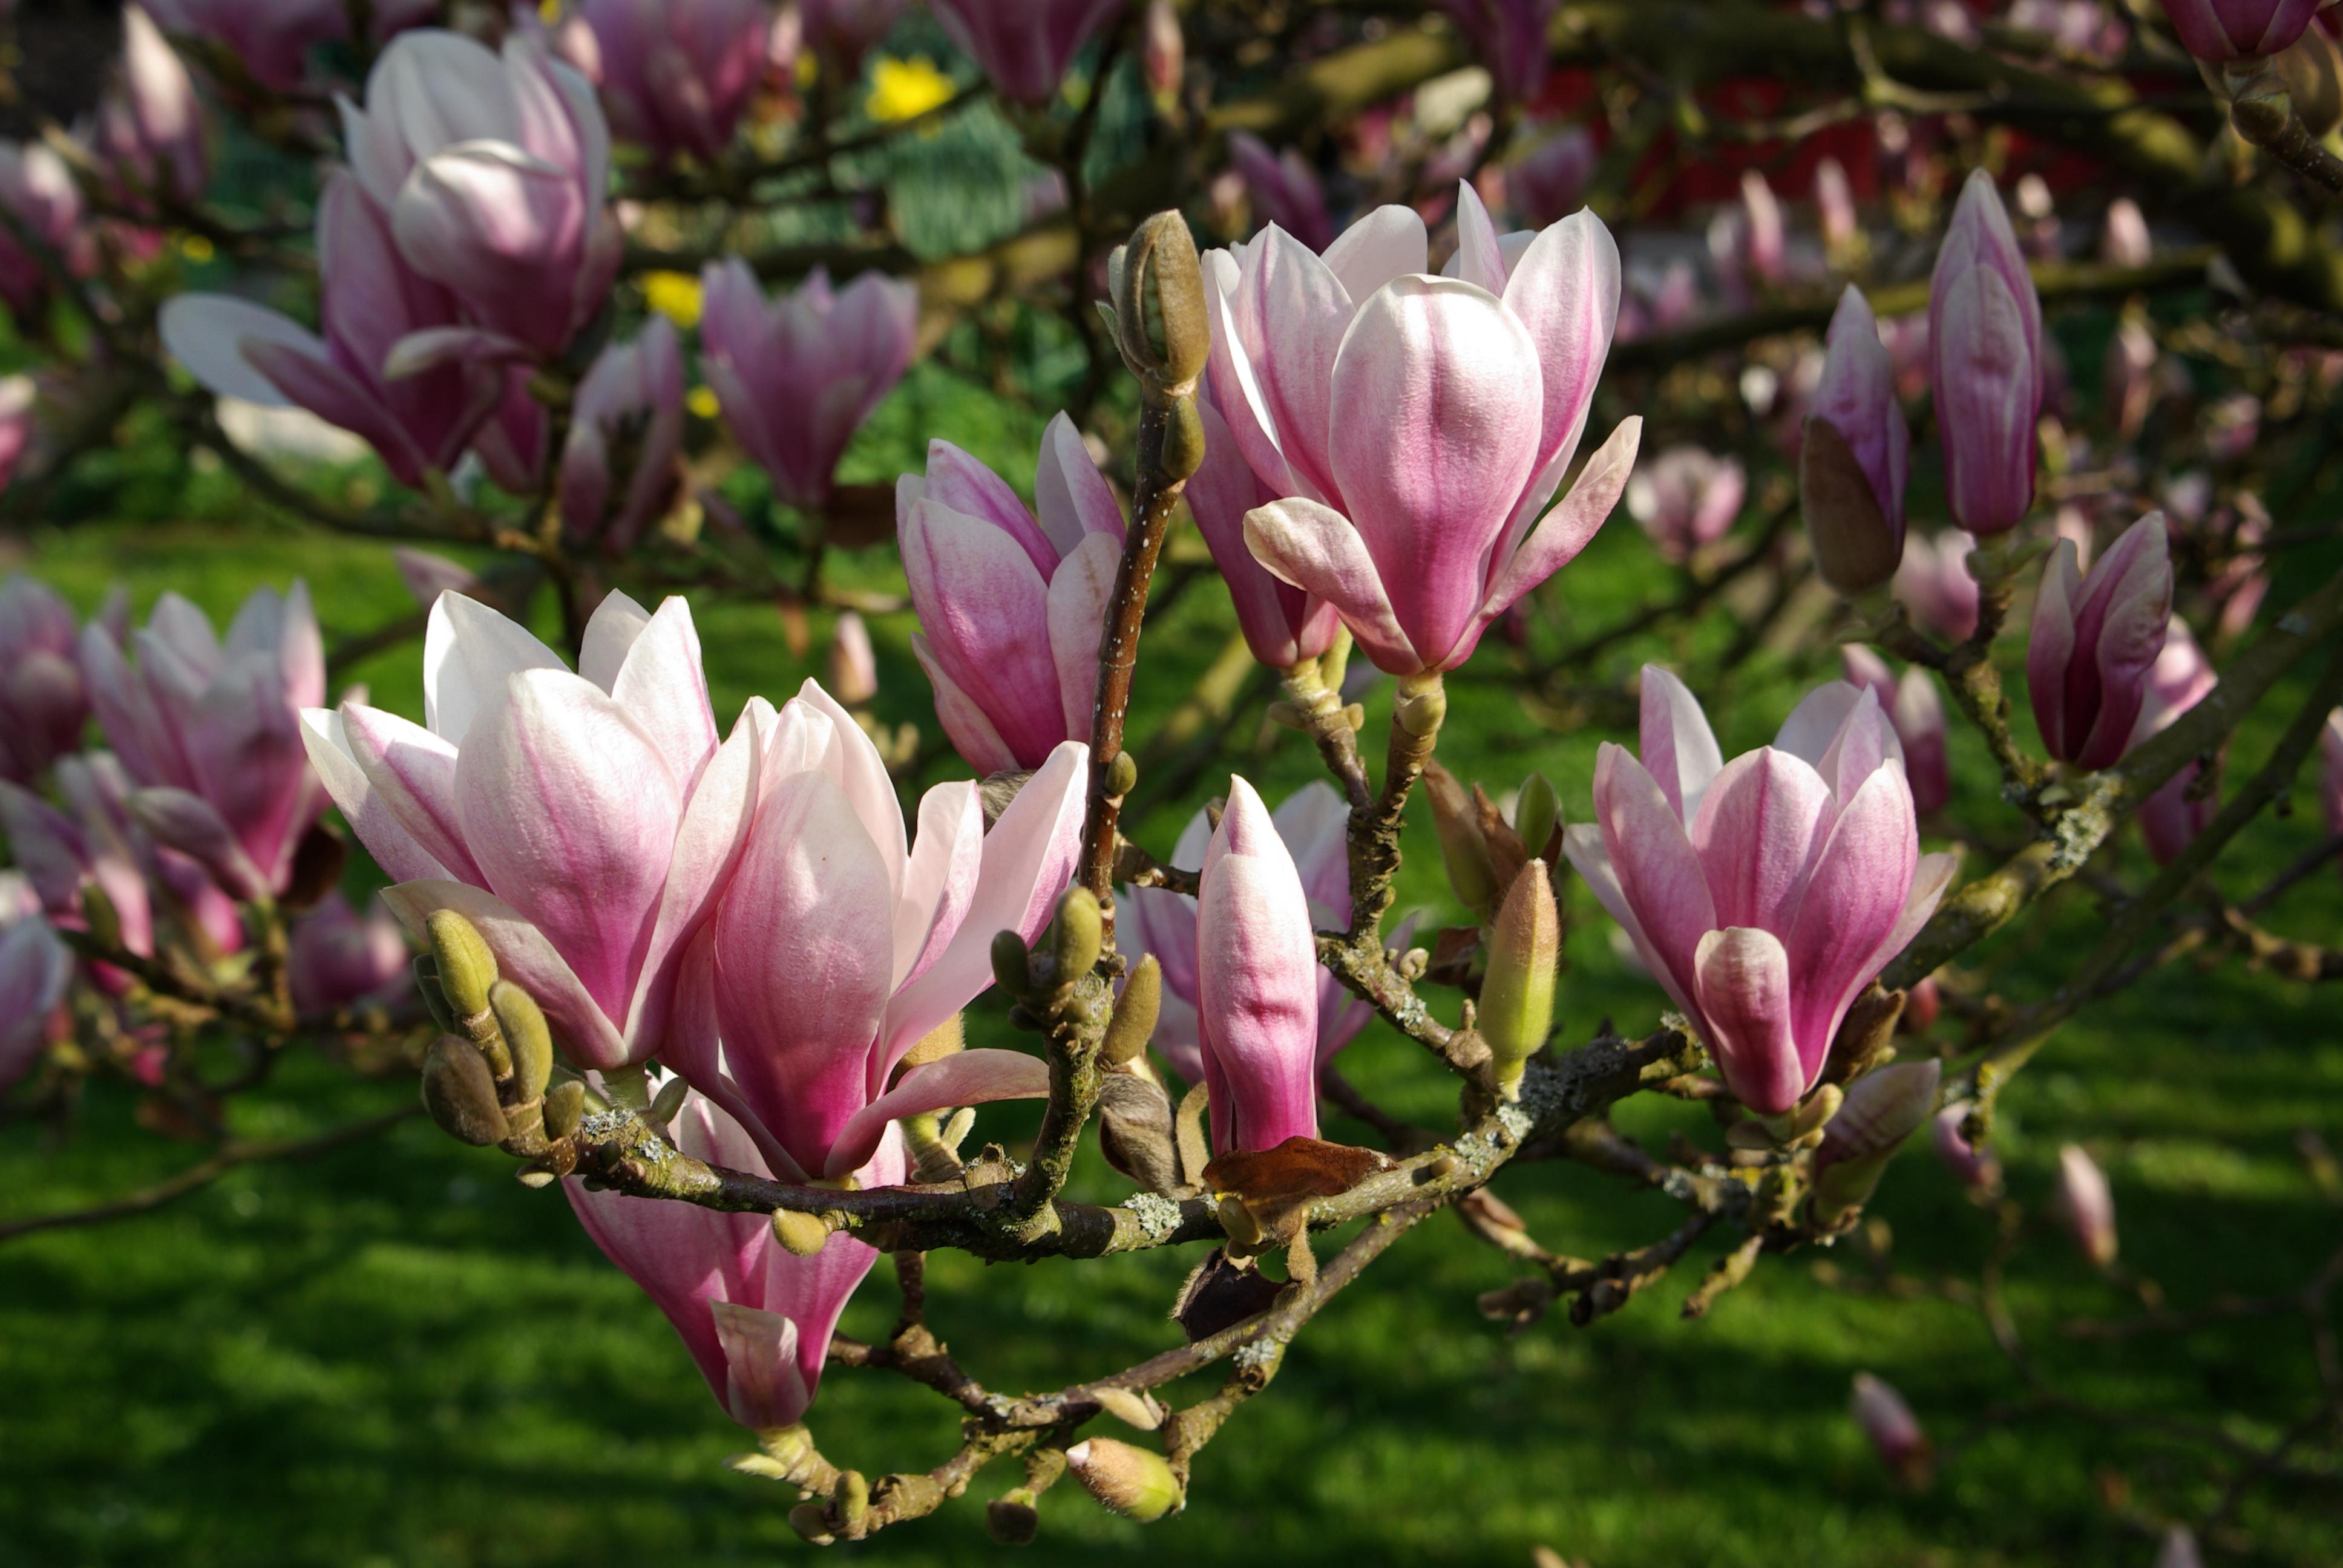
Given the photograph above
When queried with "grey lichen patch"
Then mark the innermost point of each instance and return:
(603, 1124)
(1516, 1120)
(1158, 1216)
(1255, 1355)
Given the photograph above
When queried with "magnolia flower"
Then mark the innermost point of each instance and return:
(1851, 475)
(583, 822)
(2094, 639)
(756, 1318)
(370, 299)
(1285, 189)
(1011, 607)
(1549, 182)
(797, 374)
(1415, 426)
(2179, 680)
(20, 398)
(626, 427)
(2220, 31)
(150, 125)
(676, 75)
(270, 42)
(1257, 980)
(211, 732)
(2086, 1205)
(1915, 711)
(1985, 338)
(840, 943)
(494, 170)
(1024, 46)
(1510, 36)
(1313, 825)
(1894, 1432)
(1936, 585)
(1974, 1166)
(1765, 894)
(853, 665)
(338, 958)
(1686, 497)
(1281, 624)
(44, 704)
(34, 968)
(38, 190)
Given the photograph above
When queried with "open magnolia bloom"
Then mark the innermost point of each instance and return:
(840, 943)
(1416, 427)
(755, 1317)
(1764, 893)
(583, 821)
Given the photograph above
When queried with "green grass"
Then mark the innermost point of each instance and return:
(395, 1355)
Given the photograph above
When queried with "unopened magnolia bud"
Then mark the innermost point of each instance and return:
(1857, 548)
(1122, 774)
(849, 1500)
(526, 1035)
(1013, 1519)
(802, 1235)
(460, 1093)
(2088, 1206)
(565, 1108)
(668, 1103)
(1132, 1024)
(1463, 851)
(435, 1000)
(1080, 934)
(1882, 1108)
(1012, 965)
(1518, 996)
(1536, 813)
(1127, 1480)
(853, 667)
(1890, 1425)
(811, 1521)
(1160, 325)
(467, 967)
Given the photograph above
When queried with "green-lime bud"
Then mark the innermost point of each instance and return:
(1463, 851)
(1129, 1480)
(467, 967)
(1012, 965)
(668, 1103)
(1122, 774)
(1857, 548)
(1159, 315)
(1421, 704)
(435, 1000)
(1518, 996)
(1080, 934)
(565, 1108)
(526, 1036)
(461, 1094)
(800, 1234)
(811, 1521)
(1132, 1023)
(1184, 440)
(849, 1500)
(1536, 813)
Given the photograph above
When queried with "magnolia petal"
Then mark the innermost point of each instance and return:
(413, 773)
(965, 1078)
(468, 651)
(965, 724)
(1744, 992)
(1678, 747)
(1079, 597)
(1565, 531)
(1313, 547)
(394, 849)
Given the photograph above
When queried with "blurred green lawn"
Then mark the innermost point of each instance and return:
(396, 1355)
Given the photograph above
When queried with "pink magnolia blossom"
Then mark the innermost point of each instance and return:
(2086, 1205)
(1936, 585)
(619, 470)
(1764, 894)
(339, 957)
(210, 730)
(797, 374)
(839, 942)
(1024, 46)
(1011, 605)
(39, 192)
(494, 170)
(271, 41)
(676, 75)
(34, 968)
(756, 1318)
(583, 822)
(2218, 31)
(1985, 338)
(44, 704)
(369, 300)
(1894, 1432)
(2095, 640)
(1549, 182)
(1857, 396)
(1415, 426)
(20, 397)
(1686, 497)
(150, 124)
(2170, 818)
(1313, 825)
(1257, 982)
(1285, 189)
(1917, 713)
(1281, 624)
(1510, 37)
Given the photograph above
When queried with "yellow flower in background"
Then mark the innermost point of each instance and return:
(701, 400)
(906, 89)
(674, 294)
(196, 248)
(549, 11)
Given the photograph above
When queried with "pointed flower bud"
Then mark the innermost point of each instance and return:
(2086, 1205)
(1132, 1482)
(1161, 324)
(2095, 640)
(1894, 1432)
(1285, 189)
(1985, 346)
(619, 469)
(1855, 456)
(339, 957)
(1464, 849)
(1882, 1108)
(1257, 982)
(1136, 1010)
(1080, 935)
(1934, 584)
(1012, 963)
(526, 1036)
(44, 703)
(1517, 997)
(468, 967)
(461, 1093)
(565, 1108)
(1538, 812)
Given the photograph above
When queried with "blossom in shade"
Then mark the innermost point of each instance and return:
(620, 469)
(34, 968)
(1257, 980)
(1415, 427)
(1762, 894)
(1986, 360)
(1852, 473)
(339, 957)
(675, 74)
(44, 704)
(2095, 640)
(271, 42)
(2086, 1205)
(1012, 603)
(1917, 713)
(1934, 584)
(1285, 189)
(1549, 182)
(150, 125)
(2171, 817)
(1686, 497)
(1023, 46)
(2220, 31)
(1973, 1166)
(1510, 37)
(39, 192)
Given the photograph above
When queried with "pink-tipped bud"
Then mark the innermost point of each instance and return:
(2094, 639)
(1855, 456)
(2086, 1205)
(1882, 1108)
(853, 667)
(1986, 354)
(1973, 1166)
(1892, 1427)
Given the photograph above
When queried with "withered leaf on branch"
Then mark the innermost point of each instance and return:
(1135, 1131)
(1276, 1185)
(1220, 1294)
